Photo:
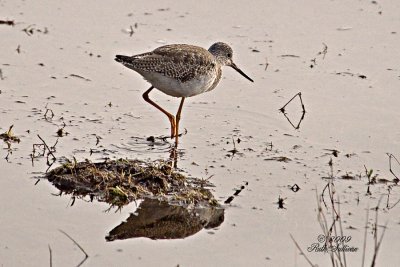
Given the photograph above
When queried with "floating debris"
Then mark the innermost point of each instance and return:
(237, 192)
(31, 29)
(289, 55)
(283, 111)
(295, 188)
(229, 199)
(280, 159)
(7, 22)
(80, 77)
(281, 203)
(347, 73)
(333, 152)
(344, 28)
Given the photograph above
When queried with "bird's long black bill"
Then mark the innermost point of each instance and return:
(120, 58)
(241, 72)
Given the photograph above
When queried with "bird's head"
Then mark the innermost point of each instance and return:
(223, 53)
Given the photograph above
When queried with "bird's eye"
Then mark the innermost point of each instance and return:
(229, 55)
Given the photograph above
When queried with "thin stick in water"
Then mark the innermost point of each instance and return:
(301, 251)
(282, 109)
(51, 257)
(79, 246)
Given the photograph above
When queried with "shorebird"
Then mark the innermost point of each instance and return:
(181, 70)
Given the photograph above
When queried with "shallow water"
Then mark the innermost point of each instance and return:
(345, 111)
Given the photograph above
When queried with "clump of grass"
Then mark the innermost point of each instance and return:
(9, 136)
(121, 181)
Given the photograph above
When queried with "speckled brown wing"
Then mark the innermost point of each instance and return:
(179, 61)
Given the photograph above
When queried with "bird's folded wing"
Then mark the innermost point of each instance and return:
(182, 62)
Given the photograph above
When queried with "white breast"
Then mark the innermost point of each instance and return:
(174, 87)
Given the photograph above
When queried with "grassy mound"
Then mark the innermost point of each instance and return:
(121, 181)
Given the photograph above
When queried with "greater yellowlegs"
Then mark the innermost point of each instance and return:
(181, 70)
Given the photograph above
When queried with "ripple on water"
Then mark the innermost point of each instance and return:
(149, 144)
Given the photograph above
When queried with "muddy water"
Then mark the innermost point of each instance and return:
(65, 62)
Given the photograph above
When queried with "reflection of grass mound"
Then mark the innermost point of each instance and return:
(119, 182)
(160, 220)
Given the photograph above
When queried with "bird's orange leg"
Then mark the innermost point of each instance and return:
(178, 118)
(169, 115)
